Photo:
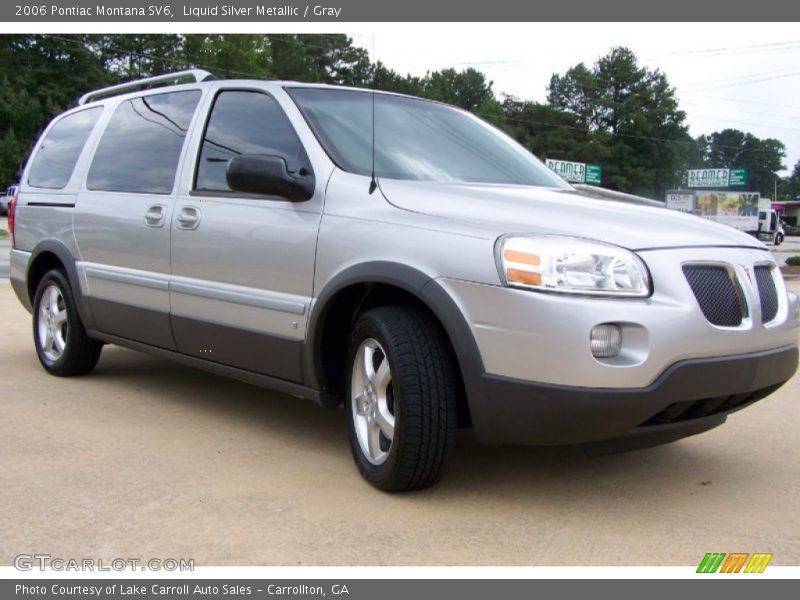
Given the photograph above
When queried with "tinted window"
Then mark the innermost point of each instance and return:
(245, 123)
(55, 160)
(416, 139)
(141, 146)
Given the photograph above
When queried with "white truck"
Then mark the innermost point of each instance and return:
(745, 211)
(770, 226)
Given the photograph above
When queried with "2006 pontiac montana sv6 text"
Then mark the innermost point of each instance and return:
(429, 274)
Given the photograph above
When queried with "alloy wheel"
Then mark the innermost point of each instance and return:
(372, 401)
(53, 324)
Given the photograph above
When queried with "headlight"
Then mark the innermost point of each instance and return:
(571, 266)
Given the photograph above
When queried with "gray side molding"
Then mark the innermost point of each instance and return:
(410, 280)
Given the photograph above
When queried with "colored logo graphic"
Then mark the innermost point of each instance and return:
(735, 562)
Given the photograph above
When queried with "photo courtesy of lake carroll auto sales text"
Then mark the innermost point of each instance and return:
(180, 590)
(298, 304)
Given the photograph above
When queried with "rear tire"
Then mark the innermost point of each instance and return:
(401, 398)
(60, 339)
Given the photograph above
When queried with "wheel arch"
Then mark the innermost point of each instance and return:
(347, 294)
(54, 254)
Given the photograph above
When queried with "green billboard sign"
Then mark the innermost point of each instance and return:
(594, 174)
(738, 177)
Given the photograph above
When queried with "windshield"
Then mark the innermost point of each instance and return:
(416, 139)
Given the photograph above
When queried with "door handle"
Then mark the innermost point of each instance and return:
(188, 218)
(154, 216)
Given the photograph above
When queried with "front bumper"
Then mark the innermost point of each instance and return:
(535, 380)
(691, 396)
(544, 338)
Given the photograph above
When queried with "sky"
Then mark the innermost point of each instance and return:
(744, 76)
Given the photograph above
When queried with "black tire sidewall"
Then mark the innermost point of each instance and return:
(370, 327)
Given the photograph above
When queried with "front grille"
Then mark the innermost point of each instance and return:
(697, 409)
(717, 293)
(767, 293)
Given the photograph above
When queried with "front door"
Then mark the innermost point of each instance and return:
(243, 265)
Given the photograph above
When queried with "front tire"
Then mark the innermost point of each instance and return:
(61, 342)
(401, 398)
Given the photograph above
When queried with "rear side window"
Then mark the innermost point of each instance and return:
(244, 122)
(141, 146)
(55, 159)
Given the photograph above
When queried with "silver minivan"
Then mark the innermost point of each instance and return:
(395, 255)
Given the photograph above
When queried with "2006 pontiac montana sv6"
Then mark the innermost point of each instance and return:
(429, 273)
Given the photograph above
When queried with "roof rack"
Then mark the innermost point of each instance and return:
(196, 74)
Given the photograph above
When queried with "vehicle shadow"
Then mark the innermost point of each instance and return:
(552, 474)
(233, 403)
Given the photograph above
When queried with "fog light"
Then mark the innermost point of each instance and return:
(606, 340)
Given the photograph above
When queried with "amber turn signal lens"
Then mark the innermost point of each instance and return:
(526, 277)
(521, 257)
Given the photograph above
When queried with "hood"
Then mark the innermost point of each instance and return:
(521, 209)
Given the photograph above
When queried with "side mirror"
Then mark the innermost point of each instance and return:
(268, 175)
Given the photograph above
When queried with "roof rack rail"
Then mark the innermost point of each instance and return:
(196, 74)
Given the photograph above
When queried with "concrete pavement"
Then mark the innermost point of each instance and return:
(5, 247)
(789, 247)
(148, 459)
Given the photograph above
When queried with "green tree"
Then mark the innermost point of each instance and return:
(616, 113)
(229, 56)
(467, 89)
(732, 148)
(634, 113)
(388, 80)
(49, 72)
(696, 153)
(329, 58)
(575, 92)
(20, 116)
(41, 76)
(130, 56)
(789, 188)
(549, 132)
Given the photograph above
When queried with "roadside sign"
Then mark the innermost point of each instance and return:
(576, 172)
(680, 201)
(593, 174)
(717, 178)
(708, 178)
(738, 177)
(736, 209)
